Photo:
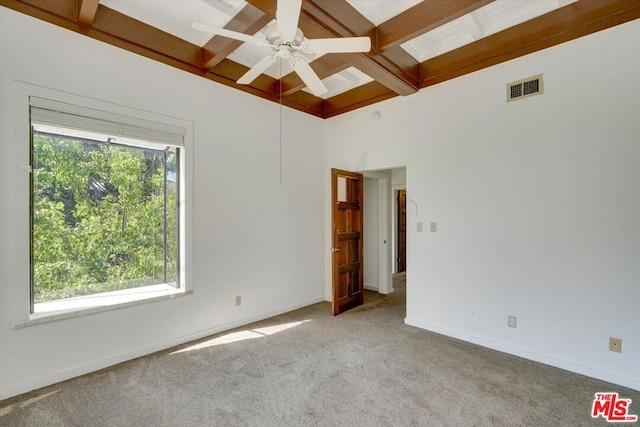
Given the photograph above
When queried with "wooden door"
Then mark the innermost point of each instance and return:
(402, 231)
(348, 284)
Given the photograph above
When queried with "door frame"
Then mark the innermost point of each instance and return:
(328, 230)
(385, 242)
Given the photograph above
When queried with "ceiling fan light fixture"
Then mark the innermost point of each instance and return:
(285, 38)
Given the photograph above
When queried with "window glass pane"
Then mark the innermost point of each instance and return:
(342, 189)
(104, 216)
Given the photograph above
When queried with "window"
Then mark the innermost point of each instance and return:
(105, 207)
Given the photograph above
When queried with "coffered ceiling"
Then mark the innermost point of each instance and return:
(415, 43)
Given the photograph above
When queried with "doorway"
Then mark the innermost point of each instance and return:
(377, 232)
(402, 231)
(380, 234)
(381, 229)
(384, 285)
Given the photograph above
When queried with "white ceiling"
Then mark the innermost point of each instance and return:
(379, 11)
(177, 16)
(485, 21)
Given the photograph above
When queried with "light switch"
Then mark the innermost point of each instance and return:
(433, 227)
(419, 228)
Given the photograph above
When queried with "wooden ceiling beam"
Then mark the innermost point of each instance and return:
(420, 19)
(64, 13)
(87, 13)
(401, 63)
(359, 97)
(267, 6)
(382, 69)
(249, 20)
(561, 25)
(113, 28)
(330, 18)
(567, 23)
(305, 102)
(111, 22)
(119, 30)
(339, 18)
(67, 9)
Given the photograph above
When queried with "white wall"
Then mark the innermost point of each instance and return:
(399, 178)
(537, 203)
(253, 235)
(371, 239)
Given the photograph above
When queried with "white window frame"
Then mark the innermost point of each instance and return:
(19, 151)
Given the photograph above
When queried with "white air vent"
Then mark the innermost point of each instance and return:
(525, 88)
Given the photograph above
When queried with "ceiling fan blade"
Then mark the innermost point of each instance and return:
(339, 45)
(256, 70)
(229, 34)
(308, 76)
(287, 15)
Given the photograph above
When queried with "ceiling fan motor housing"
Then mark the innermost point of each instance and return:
(274, 37)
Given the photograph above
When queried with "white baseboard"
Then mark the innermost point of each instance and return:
(76, 371)
(371, 287)
(531, 355)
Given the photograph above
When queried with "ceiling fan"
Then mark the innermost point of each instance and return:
(288, 42)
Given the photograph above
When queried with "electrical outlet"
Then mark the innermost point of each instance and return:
(615, 344)
(512, 322)
(238, 300)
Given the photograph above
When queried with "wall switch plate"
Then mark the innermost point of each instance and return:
(419, 227)
(433, 227)
(512, 322)
(615, 344)
(238, 300)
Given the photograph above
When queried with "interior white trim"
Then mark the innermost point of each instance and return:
(528, 354)
(99, 303)
(23, 94)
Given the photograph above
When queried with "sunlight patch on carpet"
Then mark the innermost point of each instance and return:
(242, 336)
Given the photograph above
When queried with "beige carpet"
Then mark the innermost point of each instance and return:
(307, 368)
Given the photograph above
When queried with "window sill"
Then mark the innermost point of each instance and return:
(82, 306)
